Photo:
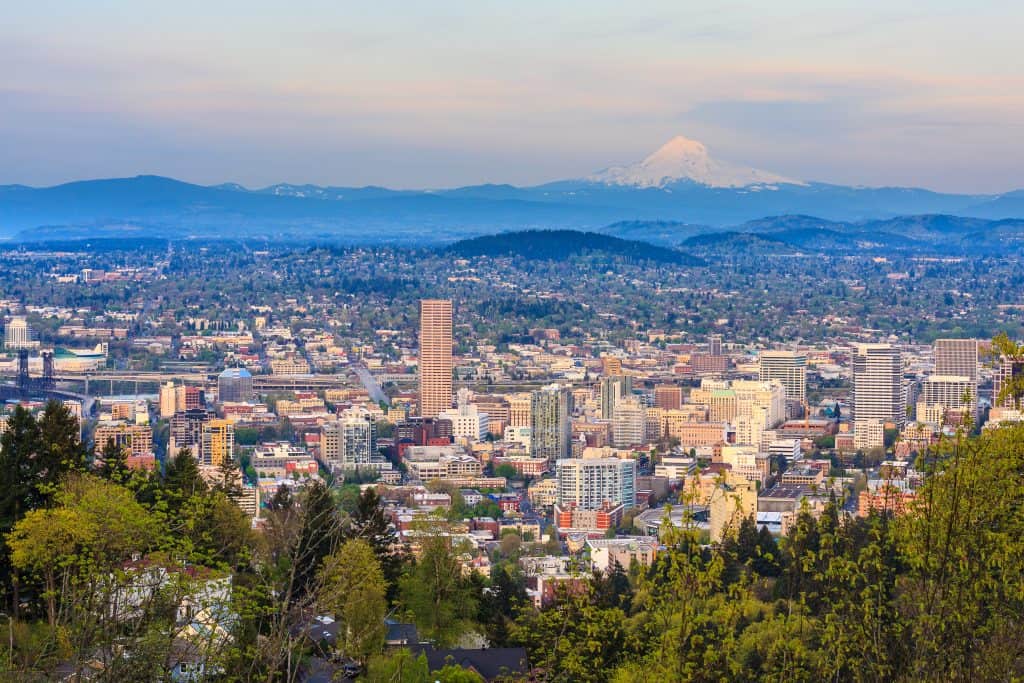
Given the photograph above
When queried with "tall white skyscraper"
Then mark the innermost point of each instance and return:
(878, 384)
(959, 358)
(787, 367)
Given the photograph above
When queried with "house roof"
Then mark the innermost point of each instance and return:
(490, 663)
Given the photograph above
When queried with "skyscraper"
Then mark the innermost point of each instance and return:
(352, 440)
(435, 363)
(550, 424)
(629, 423)
(787, 367)
(218, 441)
(613, 389)
(668, 397)
(878, 385)
(168, 403)
(957, 357)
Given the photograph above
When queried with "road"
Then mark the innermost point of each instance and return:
(370, 384)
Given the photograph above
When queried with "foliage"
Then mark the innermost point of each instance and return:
(434, 591)
(354, 591)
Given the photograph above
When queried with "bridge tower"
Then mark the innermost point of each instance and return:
(48, 381)
(23, 378)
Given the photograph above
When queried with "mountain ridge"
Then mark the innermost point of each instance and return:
(680, 184)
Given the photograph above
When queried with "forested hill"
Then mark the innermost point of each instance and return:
(558, 245)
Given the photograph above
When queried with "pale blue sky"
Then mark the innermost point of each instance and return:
(432, 94)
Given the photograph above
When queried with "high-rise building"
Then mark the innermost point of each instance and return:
(187, 431)
(613, 389)
(168, 401)
(941, 394)
(714, 345)
(550, 423)
(435, 361)
(17, 334)
(352, 440)
(788, 368)
(593, 483)
(218, 442)
(234, 385)
(629, 423)
(1006, 370)
(957, 358)
(668, 397)
(878, 384)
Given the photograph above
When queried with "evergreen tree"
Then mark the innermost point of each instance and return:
(318, 537)
(181, 476)
(114, 465)
(369, 523)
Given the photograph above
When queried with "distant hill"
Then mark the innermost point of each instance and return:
(732, 241)
(927, 234)
(559, 245)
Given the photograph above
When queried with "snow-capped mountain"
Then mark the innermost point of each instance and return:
(683, 159)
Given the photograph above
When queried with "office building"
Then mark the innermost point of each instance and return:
(435, 359)
(668, 397)
(519, 406)
(168, 400)
(611, 366)
(234, 385)
(945, 393)
(187, 431)
(1006, 370)
(135, 440)
(550, 423)
(629, 423)
(468, 423)
(878, 384)
(788, 368)
(957, 358)
(613, 389)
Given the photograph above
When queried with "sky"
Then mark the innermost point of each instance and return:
(412, 94)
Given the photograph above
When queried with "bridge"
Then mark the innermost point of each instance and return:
(261, 383)
(28, 387)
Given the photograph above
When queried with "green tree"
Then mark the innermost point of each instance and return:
(400, 667)
(352, 588)
(433, 589)
(368, 522)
